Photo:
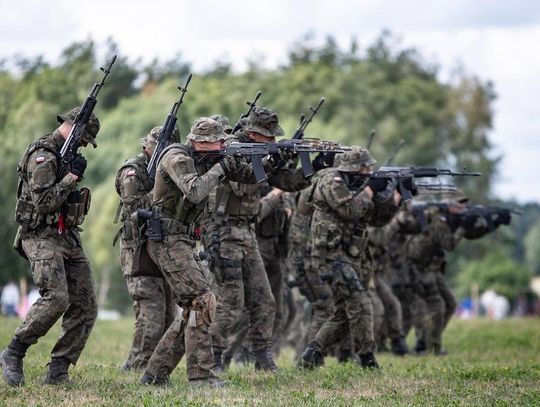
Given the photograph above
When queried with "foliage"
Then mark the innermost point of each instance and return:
(496, 271)
(384, 86)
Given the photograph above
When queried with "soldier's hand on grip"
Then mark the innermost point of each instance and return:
(78, 166)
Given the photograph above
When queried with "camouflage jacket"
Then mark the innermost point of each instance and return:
(40, 194)
(133, 186)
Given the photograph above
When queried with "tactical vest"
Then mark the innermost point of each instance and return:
(175, 210)
(329, 231)
(129, 230)
(236, 200)
(26, 213)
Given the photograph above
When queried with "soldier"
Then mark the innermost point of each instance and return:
(49, 210)
(185, 176)
(392, 318)
(154, 310)
(238, 265)
(344, 203)
(224, 121)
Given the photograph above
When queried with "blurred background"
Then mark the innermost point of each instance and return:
(457, 81)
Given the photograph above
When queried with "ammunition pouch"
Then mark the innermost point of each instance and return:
(349, 276)
(230, 270)
(76, 207)
(25, 216)
(153, 223)
(355, 242)
(327, 234)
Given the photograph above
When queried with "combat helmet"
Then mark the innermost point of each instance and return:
(207, 129)
(92, 128)
(151, 138)
(224, 121)
(355, 159)
(264, 120)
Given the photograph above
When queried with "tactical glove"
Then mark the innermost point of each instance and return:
(378, 184)
(78, 165)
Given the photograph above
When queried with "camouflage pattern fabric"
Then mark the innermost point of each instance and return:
(450, 303)
(180, 192)
(60, 268)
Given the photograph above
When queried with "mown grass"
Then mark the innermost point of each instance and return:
(490, 363)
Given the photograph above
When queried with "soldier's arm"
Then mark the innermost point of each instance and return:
(347, 205)
(181, 169)
(442, 235)
(46, 192)
(288, 180)
(129, 186)
(268, 203)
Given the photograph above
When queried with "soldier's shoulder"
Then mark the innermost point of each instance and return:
(329, 176)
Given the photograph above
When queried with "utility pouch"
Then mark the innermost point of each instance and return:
(327, 234)
(153, 224)
(77, 206)
(349, 276)
(23, 215)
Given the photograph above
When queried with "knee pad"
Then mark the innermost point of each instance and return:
(203, 310)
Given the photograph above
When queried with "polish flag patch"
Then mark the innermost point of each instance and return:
(130, 173)
(40, 159)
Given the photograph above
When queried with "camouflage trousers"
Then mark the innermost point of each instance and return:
(435, 321)
(62, 273)
(353, 309)
(413, 307)
(393, 316)
(273, 265)
(154, 313)
(242, 280)
(450, 303)
(189, 334)
(378, 310)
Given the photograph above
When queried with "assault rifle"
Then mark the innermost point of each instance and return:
(325, 277)
(405, 176)
(73, 141)
(303, 148)
(164, 138)
(435, 188)
(395, 153)
(370, 138)
(299, 133)
(251, 105)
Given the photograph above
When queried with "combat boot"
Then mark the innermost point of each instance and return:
(149, 379)
(311, 358)
(58, 371)
(367, 360)
(420, 349)
(399, 346)
(264, 361)
(11, 361)
(218, 364)
(211, 381)
(438, 350)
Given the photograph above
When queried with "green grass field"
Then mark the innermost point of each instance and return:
(490, 363)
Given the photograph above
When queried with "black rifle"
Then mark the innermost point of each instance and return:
(251, 105)
(405, 176)
(256, 152)
(73, 141)
(324, 277)
(299, 133)
(164, 138)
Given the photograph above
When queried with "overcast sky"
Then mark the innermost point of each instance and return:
(494, 39)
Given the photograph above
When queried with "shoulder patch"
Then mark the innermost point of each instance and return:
(40, 159)
(338, 179)
(131, 173)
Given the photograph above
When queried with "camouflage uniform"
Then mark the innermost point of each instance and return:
(154, 310)
(180, 194)
(238, 266)
(338, 245)
(392, 325)
(426, 252)
(49, 210)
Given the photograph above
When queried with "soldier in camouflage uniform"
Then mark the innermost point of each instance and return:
(185, 176)
(238, 265)
(426, 254)
(50, 207)
(154, 310)
(392, 325)
(344, 203)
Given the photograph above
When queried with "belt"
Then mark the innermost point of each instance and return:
(172, 227)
